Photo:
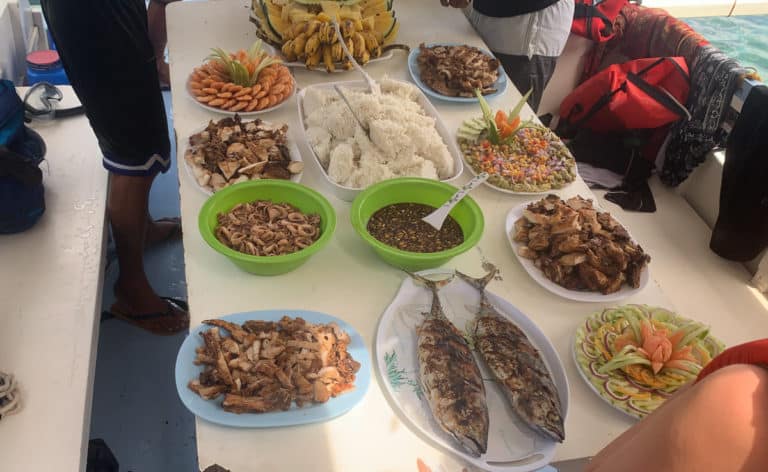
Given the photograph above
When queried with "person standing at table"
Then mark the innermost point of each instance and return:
(527, 36)
(111, 64)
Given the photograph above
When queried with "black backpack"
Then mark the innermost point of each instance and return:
(22, 200)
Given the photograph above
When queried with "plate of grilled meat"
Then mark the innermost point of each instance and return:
(470, 373)
(453, 72)
(272, 368)
(576, 250)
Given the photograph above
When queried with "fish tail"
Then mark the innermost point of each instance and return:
(480, 283)
(433, 285)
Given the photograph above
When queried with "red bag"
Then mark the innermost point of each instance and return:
(640, 94)
(593, 19)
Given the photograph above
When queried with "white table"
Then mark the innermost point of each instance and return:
(347, 280)
(50, 300)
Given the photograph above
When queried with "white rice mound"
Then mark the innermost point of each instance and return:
(404, 140)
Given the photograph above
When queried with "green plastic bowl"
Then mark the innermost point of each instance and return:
(279, 191)
(415, 190)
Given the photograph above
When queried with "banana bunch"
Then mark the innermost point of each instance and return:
(316, 40)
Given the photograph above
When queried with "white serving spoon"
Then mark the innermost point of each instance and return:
(372, 85)
(437, 217)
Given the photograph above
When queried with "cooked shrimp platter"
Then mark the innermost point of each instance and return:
(250, 81)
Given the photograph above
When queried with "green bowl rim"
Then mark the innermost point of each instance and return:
(219, 247)
(469, 242)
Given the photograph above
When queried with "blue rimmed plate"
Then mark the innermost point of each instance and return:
(211, 410)
(413, 67)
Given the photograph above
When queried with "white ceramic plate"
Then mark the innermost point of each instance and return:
(413, 67)
(588, 358)
(537, 275)
(211, 410)
(339, 67)
(349, 193)
(510, 192)
(512, 446)
(241, 113)
(293, 150)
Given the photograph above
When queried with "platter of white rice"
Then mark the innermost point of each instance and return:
(407, 137)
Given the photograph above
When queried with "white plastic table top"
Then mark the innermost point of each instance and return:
(50, 298)
(347, 280)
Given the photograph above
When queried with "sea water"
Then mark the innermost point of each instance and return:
(745, 38)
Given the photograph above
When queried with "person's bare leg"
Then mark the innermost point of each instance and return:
(719, 424)
(127, 208)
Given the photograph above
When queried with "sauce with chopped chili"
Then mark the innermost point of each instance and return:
(399, 225)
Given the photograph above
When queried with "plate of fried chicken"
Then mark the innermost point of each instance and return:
(453, 72)
(576, 250)
(272, 368)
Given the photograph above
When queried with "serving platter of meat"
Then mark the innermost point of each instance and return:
(272, 368)
(577, 251)
(453, 72)
(231, 150)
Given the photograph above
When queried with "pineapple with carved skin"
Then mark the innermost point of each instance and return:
(304, 29)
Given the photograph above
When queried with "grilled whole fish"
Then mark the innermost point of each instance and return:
(450, 377)
(517, 366)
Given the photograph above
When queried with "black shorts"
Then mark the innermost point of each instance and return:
(105, 49)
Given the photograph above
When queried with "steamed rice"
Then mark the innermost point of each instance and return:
(404, 140)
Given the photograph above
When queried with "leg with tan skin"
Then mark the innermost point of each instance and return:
(719, 424)
(158, 35)
(127, 208)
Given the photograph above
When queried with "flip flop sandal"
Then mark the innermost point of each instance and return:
(161, 323)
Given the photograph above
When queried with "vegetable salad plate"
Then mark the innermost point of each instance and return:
(521, 157)
(212, 411)
(413, 67)
(606, 350)
(512, 445)
(537, 274)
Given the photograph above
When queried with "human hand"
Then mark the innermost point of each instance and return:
(455, 3)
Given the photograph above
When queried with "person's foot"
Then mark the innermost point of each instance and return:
(146, 310)
(162, 230)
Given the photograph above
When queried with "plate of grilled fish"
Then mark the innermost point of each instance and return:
(470, 373)
(272, 368)
(577, 251)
